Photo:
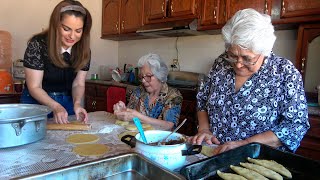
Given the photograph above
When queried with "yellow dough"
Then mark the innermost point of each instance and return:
(121, 123)
(91, 149)
(132, 127)
(247, 173)
(207, 151)
(262, 170)
(82, 138)
(273, 165)
(230, 176)
(132, 133)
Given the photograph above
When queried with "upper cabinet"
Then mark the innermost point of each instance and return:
(121, 16)
(297, 8)
(211, 13)
(215, 13)
(232, 6)
(295, 11)
(159, 11)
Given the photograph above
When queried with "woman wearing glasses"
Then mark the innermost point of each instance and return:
(251, 94)
(154, 102)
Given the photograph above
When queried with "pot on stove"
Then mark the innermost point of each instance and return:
(171, 156)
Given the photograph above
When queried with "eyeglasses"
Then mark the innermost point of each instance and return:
(245, 59)
(146, 77)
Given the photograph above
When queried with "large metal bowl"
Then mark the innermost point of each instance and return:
(22, 124)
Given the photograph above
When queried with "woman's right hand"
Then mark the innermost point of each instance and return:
(204, 135)
(120, 106)
(60, 115)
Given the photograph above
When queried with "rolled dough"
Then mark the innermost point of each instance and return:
(91, 149)
(82, 138)
(133, 127)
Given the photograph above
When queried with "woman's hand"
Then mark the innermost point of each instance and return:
(120, 106)
(126, 115)
(204, 135)
(81, 113)
(229, 145)
(60, 115)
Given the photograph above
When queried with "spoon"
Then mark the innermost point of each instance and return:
(140, 129)
(175, 130)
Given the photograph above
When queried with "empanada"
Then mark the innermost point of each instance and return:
(273, 165)
(247, 173)
(230, 176)
(262, 170)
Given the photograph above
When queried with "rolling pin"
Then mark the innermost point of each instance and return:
(72, 126)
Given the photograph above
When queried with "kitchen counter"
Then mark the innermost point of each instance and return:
(54, 152)
(113, 83)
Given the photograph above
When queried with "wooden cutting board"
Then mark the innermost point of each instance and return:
(72, 126)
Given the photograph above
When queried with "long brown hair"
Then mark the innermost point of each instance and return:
(80, 55)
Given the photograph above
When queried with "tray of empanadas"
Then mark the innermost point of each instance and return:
(253, 161)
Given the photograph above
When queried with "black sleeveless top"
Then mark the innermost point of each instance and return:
(55, 79)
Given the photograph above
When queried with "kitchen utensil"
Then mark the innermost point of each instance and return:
(123, 166)
(116, 75)
(140, 129)
(300, 167)
(22, 124)
(169, 156)
(175, 130)
(72, 126)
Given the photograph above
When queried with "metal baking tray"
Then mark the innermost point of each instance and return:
(124, 166)
(300, 167)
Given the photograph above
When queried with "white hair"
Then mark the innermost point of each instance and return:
(250, 30)
(157, 66)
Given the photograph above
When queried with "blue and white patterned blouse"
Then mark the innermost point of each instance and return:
(271, 99)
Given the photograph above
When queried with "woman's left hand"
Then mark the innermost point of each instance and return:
(81, 113)
(228, 146)
(126, 115)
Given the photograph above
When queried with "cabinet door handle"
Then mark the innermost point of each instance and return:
(162, 7)
(214, 14)
(117, 26)
(122, 24)
(171, 7)
(283, 8)
(266, 6)
(302, 64)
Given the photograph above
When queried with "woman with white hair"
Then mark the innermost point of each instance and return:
(154, 102)
(251, 94)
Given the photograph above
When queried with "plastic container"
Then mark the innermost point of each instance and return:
(6, 82)
(105, 73)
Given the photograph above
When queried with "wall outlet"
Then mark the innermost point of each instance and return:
(175, 65)
(175, 61)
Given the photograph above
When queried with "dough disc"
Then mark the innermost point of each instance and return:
(133, 127)
(82, 138)
(121, 123)
(91, 149)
